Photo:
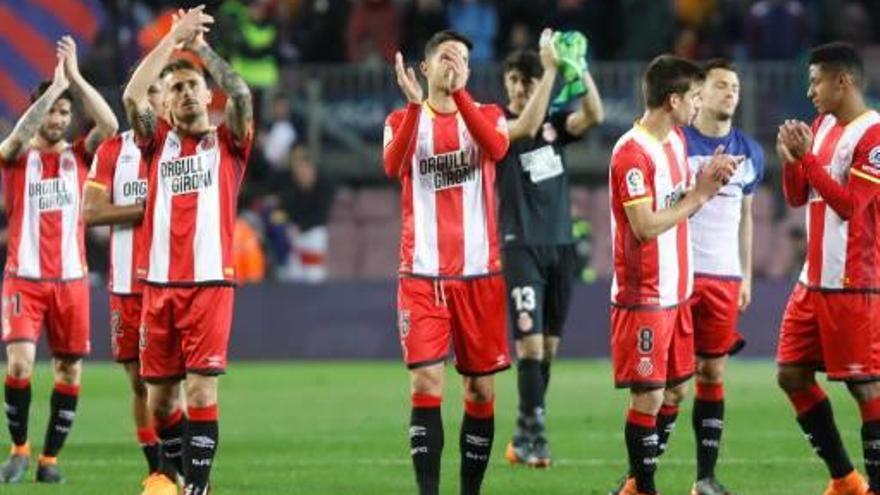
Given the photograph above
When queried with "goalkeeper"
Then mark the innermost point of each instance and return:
(538, 246)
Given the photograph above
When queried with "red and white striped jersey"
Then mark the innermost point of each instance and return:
(657, 272)
(118, 169)
(845, 254)
(192, 193)
(42, 191)
(448, 197)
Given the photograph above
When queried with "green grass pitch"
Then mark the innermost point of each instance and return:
(341, 428)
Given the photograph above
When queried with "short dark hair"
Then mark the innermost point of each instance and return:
(668, 75)
(526, 62)
(841, 57)
(718, 63)
(44, 86)
(180, 64)
(444, 36)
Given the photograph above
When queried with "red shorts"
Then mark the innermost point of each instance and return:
(185, 330)
(471, 312)
(715, 309)
(62, 306)
(837, 331)
(125, 320)
(652, 348)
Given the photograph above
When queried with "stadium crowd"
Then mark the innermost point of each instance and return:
(293, 224)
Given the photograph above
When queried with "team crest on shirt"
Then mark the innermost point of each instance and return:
(67, 163)
(635, 182)
(208, 142)
(403, 323)
(548, 132)
(873, 165)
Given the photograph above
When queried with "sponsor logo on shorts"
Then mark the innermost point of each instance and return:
(214, 361)
(645, 367)
(525, 322)
(403, 323)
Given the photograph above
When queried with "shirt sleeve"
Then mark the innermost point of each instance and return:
(865, 170)
(559, 121)
(632, 178)
(756, 155)
(397, 139)
(104, 163)
(82, 151)
(241, 150)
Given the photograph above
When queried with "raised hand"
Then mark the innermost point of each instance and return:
(547, 50)
(60, 80)
(457, 68)
(715, 174)
(782, 150)
(188, 25)
(66, 51)
(406, 79)
(797, 137)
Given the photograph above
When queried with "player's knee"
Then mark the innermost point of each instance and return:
(864, 392)
(68, 371)
(162, 401)
(19, 368)
(427, 381)
(710, 371)
(138, 388)
(201, 391)
(531, 347)
(793, 380)
(551, 346)
(479, 389)
(675, 395)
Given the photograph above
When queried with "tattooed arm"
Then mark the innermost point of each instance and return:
(239, 106)
(93, 103)
(140, 115)
(29, 123)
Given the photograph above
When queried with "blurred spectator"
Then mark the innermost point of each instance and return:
(373, 32)
(854, 23)
(687, 44)
(320, 30)
(280, 135)
(247, 251)
(306, 201)
(694, 13)
(776, 29)
(478, 20)
(649, 28)
(422, 19)
(600, 20)
(249, 37)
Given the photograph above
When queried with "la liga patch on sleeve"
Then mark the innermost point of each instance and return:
(635, 182)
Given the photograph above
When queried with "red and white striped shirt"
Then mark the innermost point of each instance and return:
(42, 191)
(118, 169)
(192, 194)
(657, 272)
(448, 182)
(845, 253)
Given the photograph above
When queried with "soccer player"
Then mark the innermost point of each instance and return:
(832, 320)
(194, 172)
(652, 194)
(538, 244)
(443, 150)
(114, 195)
(721, 233)
(46, 279)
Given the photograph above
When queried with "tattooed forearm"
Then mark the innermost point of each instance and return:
(239, 108)
(142, 120)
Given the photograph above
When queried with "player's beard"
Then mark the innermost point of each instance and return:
(723, 116)
(51, 136)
